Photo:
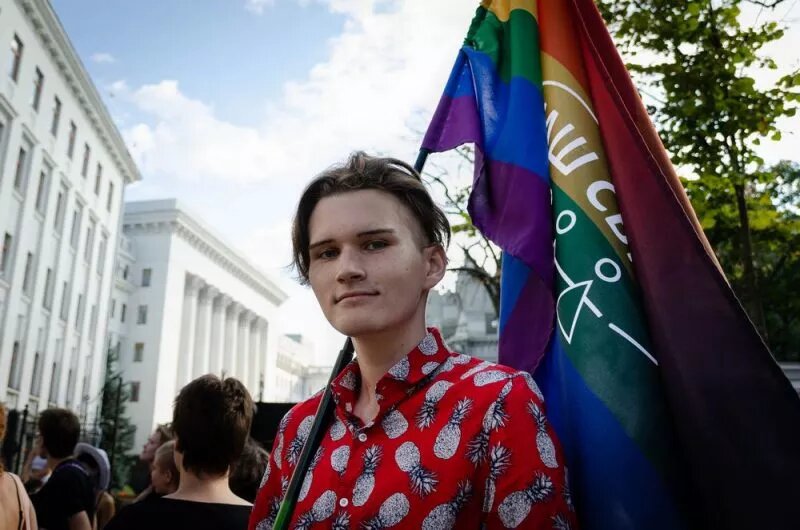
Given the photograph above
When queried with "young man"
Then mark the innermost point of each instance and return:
(422, 437)
(66, 501)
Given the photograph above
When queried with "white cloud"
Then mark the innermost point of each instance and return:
(103, 57)
(258, 6)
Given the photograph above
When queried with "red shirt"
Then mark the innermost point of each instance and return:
(457, 443)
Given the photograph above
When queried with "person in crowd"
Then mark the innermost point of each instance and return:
(67, 500)
(211, 422)
(164, 475)
(140, 475)
(248, 470)
(422, 437)
(35, 472)
(95, 461)
(16, 509)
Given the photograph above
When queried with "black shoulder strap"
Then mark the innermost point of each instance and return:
(19, 501)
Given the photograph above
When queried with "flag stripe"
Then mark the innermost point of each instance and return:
(513, 45)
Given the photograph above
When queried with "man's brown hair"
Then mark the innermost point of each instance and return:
(60, 430)
(211, 422)
(364, 172)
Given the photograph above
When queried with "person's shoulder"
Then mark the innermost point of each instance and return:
(481, 377)
(130, 516)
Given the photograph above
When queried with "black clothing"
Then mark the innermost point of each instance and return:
(171, 514)
(68, 492)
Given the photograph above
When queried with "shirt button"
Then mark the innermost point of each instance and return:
(343, 502)
(362, 437)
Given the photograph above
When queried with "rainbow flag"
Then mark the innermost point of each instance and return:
(671, 411)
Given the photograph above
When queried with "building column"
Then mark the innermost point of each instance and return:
(262, 355)
(217, 349)
(202, 336)
(243, 360)
(231, 338)
(255, 358)
(188, 319)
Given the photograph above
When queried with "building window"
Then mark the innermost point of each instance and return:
(26, 278)
(37, 359)
(19, 172)
(113, 308)
(47, 299)
(134, 391)
(56, 115)
(76, 226)
(122, 313)
(92, 322)
(58, 222)
(16, 57)
(38, 83)
(125, 270)
(87, 154)
(79, 312)
(41, 193)
(87, 250)
(54, 381)
(110, 198)
(64, 312)
(13, 380)
(73, 133)
(141, 316)
(146, 274)
(7, 241)
(101, 255)
(98, 177)
(138, 352)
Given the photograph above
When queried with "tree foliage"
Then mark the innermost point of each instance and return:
(699, 60)
(117, 429)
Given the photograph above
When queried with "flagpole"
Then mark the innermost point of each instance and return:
(323, 415)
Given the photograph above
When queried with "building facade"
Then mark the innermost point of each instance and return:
(63, 167)
(184, 303)
(295, 377)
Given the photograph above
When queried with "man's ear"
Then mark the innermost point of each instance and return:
(436, 260)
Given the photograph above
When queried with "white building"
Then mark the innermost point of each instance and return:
(466, 317)
(295, 377)
(185, 304)
(63, 167)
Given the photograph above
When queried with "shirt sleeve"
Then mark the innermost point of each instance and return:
(66, 494)
(271, 491)
(527, 484)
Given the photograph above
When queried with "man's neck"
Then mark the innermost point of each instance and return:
(205, 489)
(52, 462)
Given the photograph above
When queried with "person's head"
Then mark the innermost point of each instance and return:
(95, 461)
(159, 437)
(164, 474)
(59, 429)
(247, 471)
(371, 242)
(211, 422)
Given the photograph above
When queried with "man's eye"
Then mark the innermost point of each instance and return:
(327, 254)
(376, 245)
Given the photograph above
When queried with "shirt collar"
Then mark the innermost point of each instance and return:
(399, 381)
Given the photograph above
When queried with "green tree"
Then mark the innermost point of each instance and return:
(118, 432)
(699, 60)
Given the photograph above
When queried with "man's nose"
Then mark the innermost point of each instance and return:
(351, 266)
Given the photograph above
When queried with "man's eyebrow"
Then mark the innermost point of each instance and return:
(365, 233)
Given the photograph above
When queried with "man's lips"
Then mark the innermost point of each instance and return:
(354, 294)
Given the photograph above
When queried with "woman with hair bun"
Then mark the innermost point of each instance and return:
(211, 422)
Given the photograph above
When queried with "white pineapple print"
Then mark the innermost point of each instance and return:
(337, 430)
(309, 478)
(284, 422)
(269, 521)
(423, 481)
(299, 440)
(488, 377)
(449, 438)
(400, 370)
(392, 511)
(278, 452)
(427, 411)
(475, 369)
(443, 517)
(516, 507)
(532, 385)
(428, 345)
(394, 424)
(365, 482)
(429, 367)
(339, 459)
(494, 418)
(547, 451)
(453, 361)
(265, 476)
(341, 521)
(321, 510)
(560, 522)
(348, 380)
(499, 460)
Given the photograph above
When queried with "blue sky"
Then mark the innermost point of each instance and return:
(231, 106)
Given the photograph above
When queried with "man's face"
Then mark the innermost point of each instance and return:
(150, 446)
(367, 266)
